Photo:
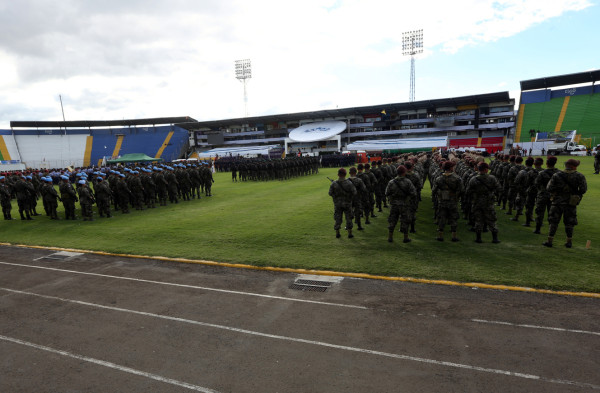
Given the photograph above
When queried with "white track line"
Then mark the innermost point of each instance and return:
(186, 286)
(109, 365)
(535, 327)
(321, 343)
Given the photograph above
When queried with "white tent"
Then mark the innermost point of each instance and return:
(238, 151)
(399, 144)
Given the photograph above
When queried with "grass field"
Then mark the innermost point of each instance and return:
(290, 224)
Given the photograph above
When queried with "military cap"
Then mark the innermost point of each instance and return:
(448, 165)
(341, 172)
(551, 160)
(401, 170)
(538, 161)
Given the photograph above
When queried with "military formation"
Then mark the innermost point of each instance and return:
(110, 189)
(463, 184)
(265, 169)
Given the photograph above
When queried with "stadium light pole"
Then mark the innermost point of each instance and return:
(243, 71)
(412, 44)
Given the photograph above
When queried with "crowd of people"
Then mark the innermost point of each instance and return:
(265, 169)
(462, 183)
(121, 187)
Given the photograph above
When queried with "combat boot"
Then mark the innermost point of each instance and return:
(406, 238)
(359, 226)
(569, 242)
(337, 233)
(454, 237)
(515, 218)
(478, 238)
(527, 221)
(548, 243)
(391, 235)
(537, 228)
(440, 237)
(367, 222)
(509, 212)
(350, 235)
(495, 237)
(412, 227)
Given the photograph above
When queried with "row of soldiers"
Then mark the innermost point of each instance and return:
(471, 183)
(136, 187)
(368, 189)
(249, 169)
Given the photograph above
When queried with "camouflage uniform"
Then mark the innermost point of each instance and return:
(400, 191)
(86, 200)
(358, 200)
(5, 200)
(448, 189)
(69, 197)
(342, 191)
(567, 189)
(103, 197)
(542, 201)
(482, 189)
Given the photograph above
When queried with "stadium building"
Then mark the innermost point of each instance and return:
(484, 121)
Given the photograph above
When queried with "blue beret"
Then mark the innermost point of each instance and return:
(64, 177)
(81, 182)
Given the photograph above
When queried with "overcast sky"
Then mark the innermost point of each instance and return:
(126, 59)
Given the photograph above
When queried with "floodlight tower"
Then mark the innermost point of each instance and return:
(412, 43)
(243, 71)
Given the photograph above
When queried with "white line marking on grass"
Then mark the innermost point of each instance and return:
(109, 365)
(321, 343)
(188, 286)
(536, 327)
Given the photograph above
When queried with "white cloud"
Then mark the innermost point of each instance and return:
(126, 59)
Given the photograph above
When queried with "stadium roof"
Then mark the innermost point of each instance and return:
(561, 80)
(101, 123)
(480, 99)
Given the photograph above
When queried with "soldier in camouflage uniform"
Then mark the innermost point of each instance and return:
(365, 202)
(24, 194)
(566, 189)
(514, 169)
(359, 198)
(448, 189)
(482, 189)
(399, 191)
(103, 197)
(69, 197)
(523, 181)
(371, 189)
(342, 191)
(542, 201)
(49, 198)
(5, 198)
(86, 200)
(597, 161)
(416, 179)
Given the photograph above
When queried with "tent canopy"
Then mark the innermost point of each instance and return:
(134, 157)
(238, 151)
(405, 144)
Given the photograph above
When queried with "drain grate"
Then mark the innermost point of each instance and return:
(312, 283)
(61, 255)
(310, 288)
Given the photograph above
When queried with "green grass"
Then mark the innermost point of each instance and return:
(290, 224)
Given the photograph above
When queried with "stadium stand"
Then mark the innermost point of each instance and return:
(546, 111)
(60, 148)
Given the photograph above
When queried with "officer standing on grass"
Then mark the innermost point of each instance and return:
(68, 196)
(342, 191)
(542, 201)
(566, 189)
(448, 188)
(482, 189)
(5, 198)
(400, 191)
